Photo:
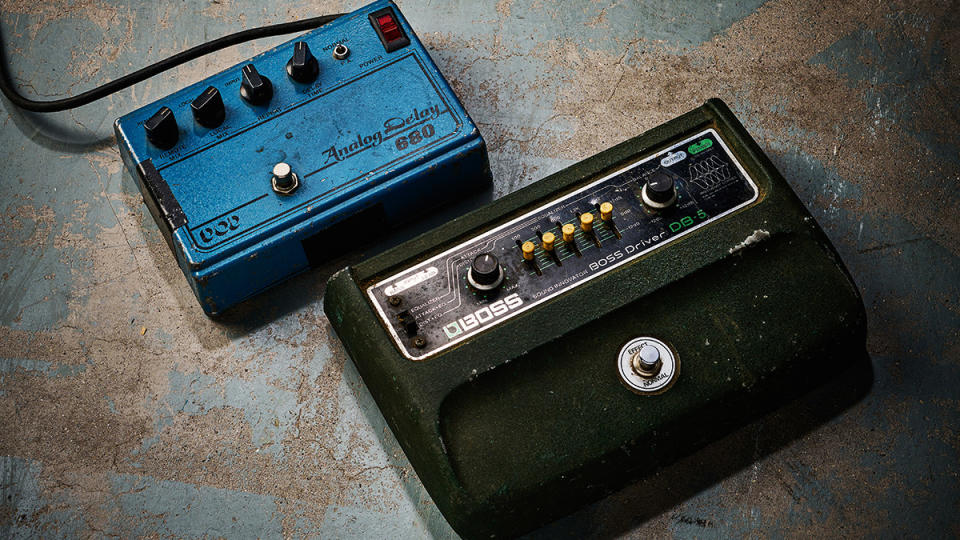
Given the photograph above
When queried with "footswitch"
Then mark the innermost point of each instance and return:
(576, 335)
(256, 172)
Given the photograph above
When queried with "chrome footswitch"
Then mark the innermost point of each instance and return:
(284, 180)
(647, 365)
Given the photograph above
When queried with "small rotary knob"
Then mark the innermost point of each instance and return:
(660, 191)
(255, 88)
(485, 272)
(303, 66)
(161, 129)
(208, 108)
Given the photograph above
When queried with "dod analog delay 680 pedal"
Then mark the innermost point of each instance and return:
(541, 352)
(254, 172)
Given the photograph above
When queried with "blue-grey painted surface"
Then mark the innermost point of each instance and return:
(125, 411)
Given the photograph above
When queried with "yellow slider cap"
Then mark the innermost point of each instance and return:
(606, 211)
(548, 239)
(586, 221)
(527, 250)
(568, 230)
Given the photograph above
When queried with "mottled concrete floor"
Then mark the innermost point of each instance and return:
(126, 412)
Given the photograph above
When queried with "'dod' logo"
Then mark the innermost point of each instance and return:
(220, 228)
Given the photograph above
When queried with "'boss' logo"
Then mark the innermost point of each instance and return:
(482, 316)
(220, 228)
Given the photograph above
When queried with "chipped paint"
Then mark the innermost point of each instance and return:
(758, 236)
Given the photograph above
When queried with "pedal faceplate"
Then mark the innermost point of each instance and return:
(445, 309)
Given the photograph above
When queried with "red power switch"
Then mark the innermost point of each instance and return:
(391, 32)
(388, 29)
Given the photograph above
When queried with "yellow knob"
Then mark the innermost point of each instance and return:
(548, 239)
(586, 222)
(568, 230)
(527, 250)
(606, 211)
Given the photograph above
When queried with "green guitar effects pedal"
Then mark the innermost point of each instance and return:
(578, 334)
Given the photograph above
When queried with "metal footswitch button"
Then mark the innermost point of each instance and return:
(647, 365)
(284, 180)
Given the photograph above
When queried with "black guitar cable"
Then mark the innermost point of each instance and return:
(9, 90)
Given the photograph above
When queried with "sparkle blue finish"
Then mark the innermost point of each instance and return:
(376, 131)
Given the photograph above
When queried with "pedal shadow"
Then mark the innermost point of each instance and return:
(308, 287)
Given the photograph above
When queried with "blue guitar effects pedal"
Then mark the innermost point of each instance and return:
(262, 170)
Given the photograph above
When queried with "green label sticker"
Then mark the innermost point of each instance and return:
(700, 146)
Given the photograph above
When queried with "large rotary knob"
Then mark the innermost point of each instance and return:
(161, 129)
(254, 87)
(660, 191)
(208, 108)
(303, 66)
(485, 272)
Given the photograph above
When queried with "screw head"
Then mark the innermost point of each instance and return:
(394, 301)
(419, 342)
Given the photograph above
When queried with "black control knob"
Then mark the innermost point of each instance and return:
(208, 108)
(255, 88)
(660, 190)
(162, 129)
(303, 66)
(485, 273)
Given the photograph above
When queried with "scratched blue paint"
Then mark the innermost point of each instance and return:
(59, 141)
(894, 68)
(912, 395)
(357, 522)
(31, 510)
(261, 403)
(160, 507)
(269, 409)
(684, 23)
(43, 367)
(813, 181)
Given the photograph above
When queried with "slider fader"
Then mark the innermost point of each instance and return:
(263, 169)
(578, 334)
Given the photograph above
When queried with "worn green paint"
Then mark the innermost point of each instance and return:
(525, 421)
